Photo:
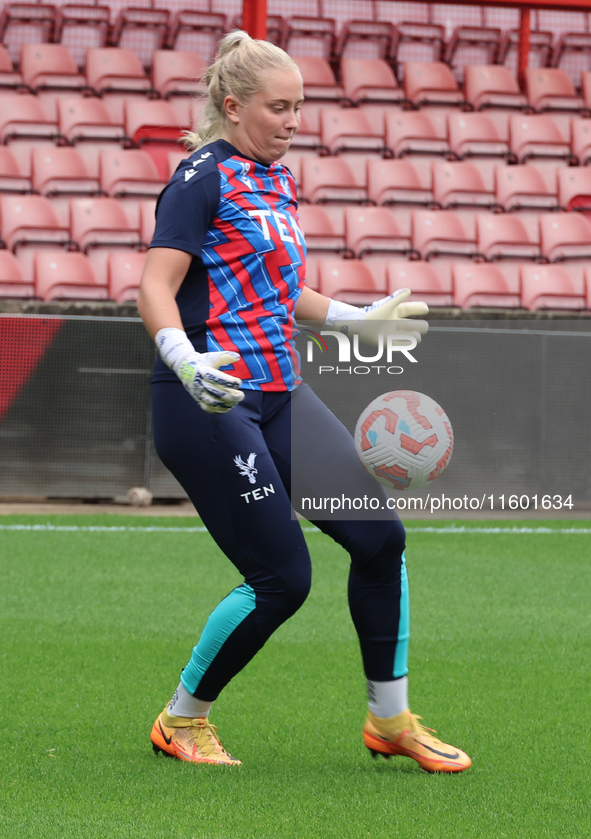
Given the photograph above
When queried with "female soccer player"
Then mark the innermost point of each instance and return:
(223, 280)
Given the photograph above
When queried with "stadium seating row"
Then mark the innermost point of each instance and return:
(467, 285)
(422, 31)
(60, 172)
(432, 83)
(444, 184)
(46, 67)
(366, 232)
(60, 274)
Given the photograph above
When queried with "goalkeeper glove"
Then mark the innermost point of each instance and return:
(214, 391)
(388, 315)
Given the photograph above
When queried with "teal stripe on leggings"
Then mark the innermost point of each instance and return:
(401, 657)
(221, 623)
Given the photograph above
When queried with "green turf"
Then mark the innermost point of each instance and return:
(96, 626)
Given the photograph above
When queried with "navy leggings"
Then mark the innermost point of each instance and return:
(237, 470)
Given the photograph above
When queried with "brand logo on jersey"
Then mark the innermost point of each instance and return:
(190, 172)
(283, 223)
(247, 469)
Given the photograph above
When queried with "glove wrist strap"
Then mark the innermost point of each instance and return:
(173, 345)
(340, 314)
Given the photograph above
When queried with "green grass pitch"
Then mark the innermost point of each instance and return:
(97, 624)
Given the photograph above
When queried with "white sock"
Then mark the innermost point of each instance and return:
(184, 704)
(388, 699)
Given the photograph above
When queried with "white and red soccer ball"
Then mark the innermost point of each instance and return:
(404, 439)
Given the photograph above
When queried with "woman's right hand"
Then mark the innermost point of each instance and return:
(214, 391)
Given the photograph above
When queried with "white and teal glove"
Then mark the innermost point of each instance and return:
(388, 315)
(214, 391)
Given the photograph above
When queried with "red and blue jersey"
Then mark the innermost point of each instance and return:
(237, 218)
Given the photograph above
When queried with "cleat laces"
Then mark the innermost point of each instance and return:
(419, 729)
(204, 737)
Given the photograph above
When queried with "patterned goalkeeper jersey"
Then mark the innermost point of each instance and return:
(237, 218)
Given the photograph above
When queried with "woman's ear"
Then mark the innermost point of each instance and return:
(231, 109)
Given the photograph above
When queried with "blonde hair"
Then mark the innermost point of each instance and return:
(237, 71)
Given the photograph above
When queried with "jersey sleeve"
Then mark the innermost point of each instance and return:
(185, 209)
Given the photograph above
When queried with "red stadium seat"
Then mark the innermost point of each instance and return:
(574, 188)
(61, 171)
(197, 31)
(460, 185)
(51, 72)
(370, 80)
(550, 287)
(98, 226)
(417, 40)
(11, 178)
(441, 233)
(143, 30)
(129, 172)
(523, 188)
(540, 48)
(412, 132)
(322, 233)
(504, 236)
(116, 74)
(311, 36)
(483, 285)
(476, 135)
(60, 275)
(178, 73)
(80, 26)
(320, 84)
(399, 182)
(374, 230)
(349, 280)
(565, 236)
(154, 127)
(86, 123)
(431, 83)
(330, 179)
(472, 45)
(493, 86)
(129, 175)
(26, 23)
(550, 89)
(29, 222)
(537, 136)
(24, 125)
(377, 36)
(9, 79)
(12, 281)
(348, 130)
(423, 280)
(100, 222)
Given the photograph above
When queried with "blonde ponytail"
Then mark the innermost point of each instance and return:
(237, 71)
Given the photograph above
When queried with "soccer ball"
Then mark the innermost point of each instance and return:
(404, 439)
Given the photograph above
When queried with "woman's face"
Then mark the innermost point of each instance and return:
(263, 128)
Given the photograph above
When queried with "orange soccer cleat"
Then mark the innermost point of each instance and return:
(193, 740)
(404, 735)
